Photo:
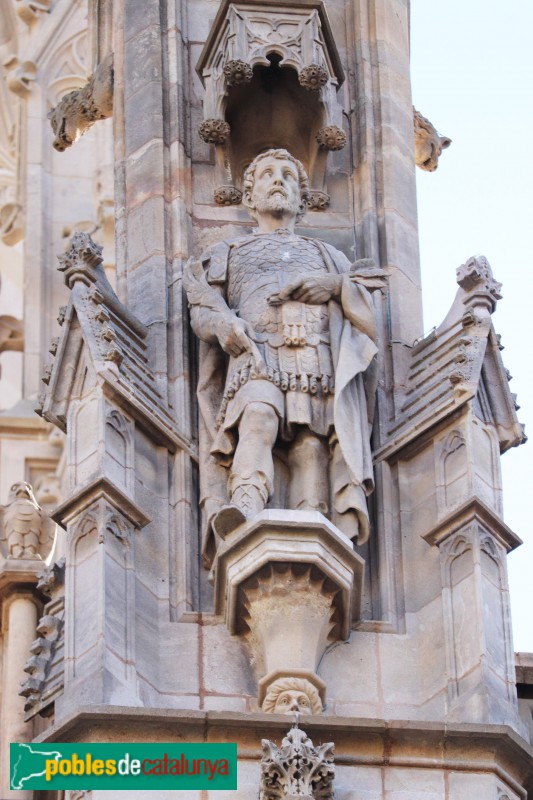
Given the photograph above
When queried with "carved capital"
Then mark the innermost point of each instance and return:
(78, 110)
(297, 769)
(214, 131)
(313, 77)
(227, 196)
(318, 201)
(237, 72)
(331, 138)
(80, 261)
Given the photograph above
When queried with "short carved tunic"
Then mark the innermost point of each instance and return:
(292, 339)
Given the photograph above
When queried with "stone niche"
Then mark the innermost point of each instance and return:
(261, 63)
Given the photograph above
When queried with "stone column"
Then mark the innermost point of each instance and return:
(20, 615)
(384, 177)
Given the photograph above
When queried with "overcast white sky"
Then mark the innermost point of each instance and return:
(472, 73)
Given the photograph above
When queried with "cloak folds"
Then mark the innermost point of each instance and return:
(353, 348)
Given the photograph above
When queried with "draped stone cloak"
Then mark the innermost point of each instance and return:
(353, 347)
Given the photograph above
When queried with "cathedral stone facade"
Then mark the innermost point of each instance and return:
(240, 487)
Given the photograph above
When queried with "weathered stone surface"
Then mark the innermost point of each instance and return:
(429, 144)
(81, 108)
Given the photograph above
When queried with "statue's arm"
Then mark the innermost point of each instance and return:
(211, 318)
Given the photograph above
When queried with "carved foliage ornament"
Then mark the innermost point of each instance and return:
(297, 768)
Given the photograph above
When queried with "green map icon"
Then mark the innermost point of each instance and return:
(29, 763)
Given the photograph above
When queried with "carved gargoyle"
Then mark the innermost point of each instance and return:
(78, 110)
(429, 144)
(25, 531)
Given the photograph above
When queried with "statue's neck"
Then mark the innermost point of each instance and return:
(269, 224)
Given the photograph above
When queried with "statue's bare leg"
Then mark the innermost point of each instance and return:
(252, 472)
(308, 465)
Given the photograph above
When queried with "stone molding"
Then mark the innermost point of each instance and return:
(90, 495)
(469, 748)
(474, 510)
(46, 663)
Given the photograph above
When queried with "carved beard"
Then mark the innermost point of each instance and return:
(277, 203)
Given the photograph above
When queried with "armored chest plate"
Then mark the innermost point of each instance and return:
(264, 264)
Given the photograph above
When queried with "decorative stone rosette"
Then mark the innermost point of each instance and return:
(227, 196)
(318, 201)
(331, 138)
(214, 131)
(237, 72)
(313, 77)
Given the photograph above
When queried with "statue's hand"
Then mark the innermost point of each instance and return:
(234, 336)
(313, 289)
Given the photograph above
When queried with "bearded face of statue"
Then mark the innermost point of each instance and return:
(276, 188)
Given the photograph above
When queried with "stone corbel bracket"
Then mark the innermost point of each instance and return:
(246, 35)
(291, 584)
(78, 110)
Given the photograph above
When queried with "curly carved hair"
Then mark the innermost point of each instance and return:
(249, 177)
(294, 685)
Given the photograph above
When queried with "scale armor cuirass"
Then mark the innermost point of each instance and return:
(293, 337)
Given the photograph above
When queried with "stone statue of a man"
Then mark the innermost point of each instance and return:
(286, 389)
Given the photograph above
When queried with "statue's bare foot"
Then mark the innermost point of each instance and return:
(228, 518)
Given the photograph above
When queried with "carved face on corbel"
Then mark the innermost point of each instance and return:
(276, 184)
(292, 695)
